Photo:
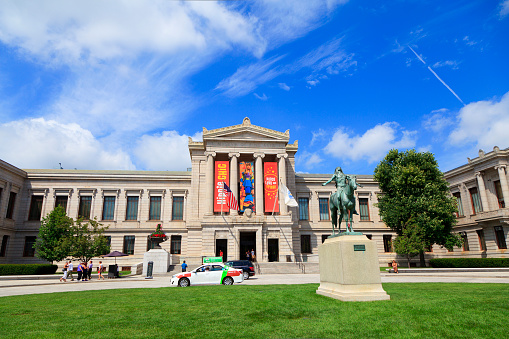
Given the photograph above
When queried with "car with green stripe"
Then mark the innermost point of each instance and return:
(208, 274)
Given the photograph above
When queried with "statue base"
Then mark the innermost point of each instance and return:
(344, 233)
(160, 258)
(349, 269)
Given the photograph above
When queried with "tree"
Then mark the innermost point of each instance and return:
(414, 192)
(52, 242)
(88, 240)
(409, 243)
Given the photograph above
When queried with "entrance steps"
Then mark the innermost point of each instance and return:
(286, 268)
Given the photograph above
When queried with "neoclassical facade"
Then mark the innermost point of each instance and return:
(191, 207)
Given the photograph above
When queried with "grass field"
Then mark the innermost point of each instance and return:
(428, 310)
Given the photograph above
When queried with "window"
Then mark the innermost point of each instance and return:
(176, 241)
(129, 244)
(476, 201)
(324, 237)
(177, 209)
(35, 207)
(305, 243)
(303, 209)
(155, 208)
(323, 204)
(10, 205)
(387, 243)
(500, 196)
(61, 200)
(151, 244)
(109, 208)
(464, 237)
(29, 250)
(459, 204)
(482, 241)
(108, 241)
(499, 234)
(85, 207)
(5, 240)
(364, 208)
(132, 208)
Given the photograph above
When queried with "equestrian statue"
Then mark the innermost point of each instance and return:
(343, 199)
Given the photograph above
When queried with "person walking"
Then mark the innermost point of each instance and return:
(64, 276)
(80, 271)
(85, 271)
(253, 256)
(70, 268)
(90, 266)
(100, 270)
(184, 266)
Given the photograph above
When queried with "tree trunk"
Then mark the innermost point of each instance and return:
(421, 259)
(408, 259)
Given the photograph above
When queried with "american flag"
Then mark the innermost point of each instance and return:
(230, 198)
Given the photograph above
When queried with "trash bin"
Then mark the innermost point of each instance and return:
(112, 271)
(150, 269)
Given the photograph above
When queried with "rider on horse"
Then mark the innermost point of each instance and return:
(341, 181)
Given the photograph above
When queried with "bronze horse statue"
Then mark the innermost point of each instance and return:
(344, 202)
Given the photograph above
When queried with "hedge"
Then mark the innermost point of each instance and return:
(469, 262)
(28, 269)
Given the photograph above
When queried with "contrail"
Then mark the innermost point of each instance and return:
(436, 75)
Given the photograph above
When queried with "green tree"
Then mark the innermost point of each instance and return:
(88, 240)
(53, 240)
(413, 188)
(410, 242)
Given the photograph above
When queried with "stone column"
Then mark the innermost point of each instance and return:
(234, 177)
(503, 182)
(259, 183)
(282, 178)
(482, 189)
(209, 183)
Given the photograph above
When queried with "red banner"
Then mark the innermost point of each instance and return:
(270, 186)
(221, 174)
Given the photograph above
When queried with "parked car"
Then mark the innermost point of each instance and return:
(208, 274)
(246, 266)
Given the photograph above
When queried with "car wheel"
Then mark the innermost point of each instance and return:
(228, 281)
(246, 275)
(184, 282)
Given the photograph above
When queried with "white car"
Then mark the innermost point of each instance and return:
(208, 274)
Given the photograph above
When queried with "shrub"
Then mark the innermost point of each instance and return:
(469, 262)
(28, 269)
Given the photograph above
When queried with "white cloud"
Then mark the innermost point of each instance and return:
(448, 63)
(262, 97)
(437, 120)
(40, 143)
(317, 135)
(372, 145)
(308, 160)
(284, 86)
(504, 8)
(483, 123)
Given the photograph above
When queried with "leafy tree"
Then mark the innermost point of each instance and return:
(414, 189)
(88, 240)
(409, 243)
(53, 243)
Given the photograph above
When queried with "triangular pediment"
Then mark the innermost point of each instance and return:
(245, 131)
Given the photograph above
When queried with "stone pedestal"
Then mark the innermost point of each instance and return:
(161, 259)
(349, 269)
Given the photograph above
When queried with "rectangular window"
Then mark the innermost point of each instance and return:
(387, 243)
(303, 209)
(464, 237)
(305, 243)
(476, 200)
(10, 205)
(132, 208)
(459, 205)
(108, 241)
(109, 208)
(482, 241)
(5, 240)
(324, 237)
(323, 204)
(364, 208)
(61, 200)
(500, 196)
(499, 234)
(35, 207)
(177, 210)
(129, 244)
(151, 244)
(85, 207)
(176, 241)
(155, 208)
(29, 250)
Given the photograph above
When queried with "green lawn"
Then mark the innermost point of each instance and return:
(427, 310)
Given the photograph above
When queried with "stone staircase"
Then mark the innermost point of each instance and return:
(286, 268)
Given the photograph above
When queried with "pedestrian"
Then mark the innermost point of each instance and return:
(85, 271)
(100, 270)
(90, 266)
(221, 254)
(184, 266)
(64, 276)
(253, 256)
(395, 266)
(80, 271)
(248, 255)
(70, 268)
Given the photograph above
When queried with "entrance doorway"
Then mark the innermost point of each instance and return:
(273, 250)
(222, 245)
(247, 243)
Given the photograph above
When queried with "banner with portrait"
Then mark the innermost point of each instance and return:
(247, 184)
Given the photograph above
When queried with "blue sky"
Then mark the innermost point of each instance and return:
(123, 84)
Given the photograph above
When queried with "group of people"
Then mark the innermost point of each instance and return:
(250, 255)
(84, 271)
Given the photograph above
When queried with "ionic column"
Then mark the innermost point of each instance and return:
(209, 183)
(259, 183)
(234, 177)
(503, 183)
(282, 178)
(482, 189)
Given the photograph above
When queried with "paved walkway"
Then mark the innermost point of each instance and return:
(50, 284)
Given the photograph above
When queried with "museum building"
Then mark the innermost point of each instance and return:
(254, 162)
